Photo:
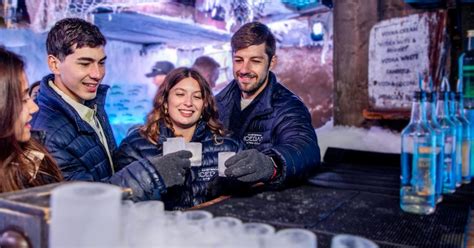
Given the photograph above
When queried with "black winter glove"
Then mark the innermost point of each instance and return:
(250, 166)
(172, 167)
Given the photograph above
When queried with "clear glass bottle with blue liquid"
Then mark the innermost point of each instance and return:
(466, 134)
(418, 153)
(466, 75)
(444, 120)
(430, 107)
(466, 71)
(459, 135)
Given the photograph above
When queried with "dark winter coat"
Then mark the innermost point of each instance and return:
(77, 149)
(197, 188)
(278, 124)
(72, 141)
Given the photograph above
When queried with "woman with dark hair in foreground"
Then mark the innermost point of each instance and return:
(24, 162)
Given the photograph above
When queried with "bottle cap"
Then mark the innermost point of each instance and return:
(419, 95)
(441, 95)
(452, 95)
(430, 96)
(458, 96)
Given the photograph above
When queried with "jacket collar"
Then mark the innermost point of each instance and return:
(200, 132)
(48, 98)
(264, 99)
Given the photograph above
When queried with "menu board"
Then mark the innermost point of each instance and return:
(398, 53)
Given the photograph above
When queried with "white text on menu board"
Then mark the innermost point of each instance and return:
(398, 51)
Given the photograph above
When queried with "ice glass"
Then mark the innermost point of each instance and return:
(192, 224)
(171, 218)
(223, 231)
(196, 149)
(148, 223)
(221, 158)
(257, 234)
(351, 241)
(171, 229)
(224, 224)
(150, 209)
(175, 139)
(85, 214)
(295, 238)
(173, 145)
(128, 216)
(195, 218)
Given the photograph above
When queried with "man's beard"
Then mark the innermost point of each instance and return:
(255, 88)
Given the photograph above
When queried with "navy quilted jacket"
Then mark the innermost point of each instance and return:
(72, 141)
(77, 148)
(197, 187)
(278, 124)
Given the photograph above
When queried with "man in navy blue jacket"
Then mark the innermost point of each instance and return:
(72, 117)
(272, 121)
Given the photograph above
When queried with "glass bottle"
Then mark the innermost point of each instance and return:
(442, 116)
(418, 179)
(466, 71)
(430, 107)
(466, 134)
(469, 115)
(466, 75)
(458, 124)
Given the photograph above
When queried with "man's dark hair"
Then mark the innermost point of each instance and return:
(254, 33)
(72, 31)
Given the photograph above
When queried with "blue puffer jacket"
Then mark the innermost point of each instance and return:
(77, 148)
(196, 189)
(278, 124)
(72, 141)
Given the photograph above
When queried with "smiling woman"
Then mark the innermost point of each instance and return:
(23, 162)
(183, 99)
(183, 107)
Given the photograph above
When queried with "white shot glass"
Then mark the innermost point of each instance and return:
(257, 234)
(172, 230)
(128, 217)
(229, 223)
(295, 237)
(351, 241)
(150, 209)
(195, 218)
(147, 228)
(192, 223)
(224, 225)
(222, 231)
(196, 149)
(175, 139)
(173, 145)
(93, 210)
(221, 158)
